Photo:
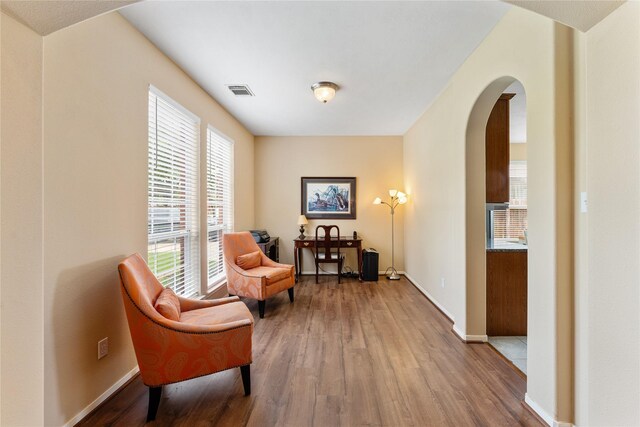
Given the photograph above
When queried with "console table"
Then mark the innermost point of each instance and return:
(271, 248)
(308, 242)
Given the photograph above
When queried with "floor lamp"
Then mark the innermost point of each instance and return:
(397, 198)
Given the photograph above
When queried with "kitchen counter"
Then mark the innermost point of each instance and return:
(507, 247)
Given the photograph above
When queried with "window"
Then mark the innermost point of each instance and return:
(510, 224)
(173, 216)
(219, 199)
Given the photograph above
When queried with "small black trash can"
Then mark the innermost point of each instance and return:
(370, 265)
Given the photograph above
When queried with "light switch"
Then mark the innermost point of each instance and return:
(583, 202)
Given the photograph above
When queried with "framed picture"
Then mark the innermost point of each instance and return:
(328, 198)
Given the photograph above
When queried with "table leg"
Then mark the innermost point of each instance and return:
(300, 251)
(360, 262)
(295, 261)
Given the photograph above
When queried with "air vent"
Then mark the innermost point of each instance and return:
(240, 90)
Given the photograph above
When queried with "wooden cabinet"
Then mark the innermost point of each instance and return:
(497, 151)
(506, 293)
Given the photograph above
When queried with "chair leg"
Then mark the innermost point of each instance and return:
(246, 379)
(154, 401)
(316, 274)
(290, 290)
(339, 271)
(261, 308)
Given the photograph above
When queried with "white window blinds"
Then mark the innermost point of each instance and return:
(173, 243)
(219, 199)
(509, 224)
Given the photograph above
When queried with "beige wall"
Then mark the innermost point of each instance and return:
(526, 47)
(375, 161)
(96, 77)
(22, 341)
(518, 151)
(608, 301)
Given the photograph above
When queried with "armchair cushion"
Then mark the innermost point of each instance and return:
(272, 274)
(168, 305)
(249, 261)
(227, 313)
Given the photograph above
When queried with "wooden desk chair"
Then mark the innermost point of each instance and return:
(323, 253)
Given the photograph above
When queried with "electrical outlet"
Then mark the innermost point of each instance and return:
(103, 347)
(442, 282)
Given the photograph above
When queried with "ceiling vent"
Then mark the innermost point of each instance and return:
(240, 90)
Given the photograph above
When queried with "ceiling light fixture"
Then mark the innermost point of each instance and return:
(324, 91)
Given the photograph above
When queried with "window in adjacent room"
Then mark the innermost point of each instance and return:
(219, 200)
(173, 215)
(510, 224)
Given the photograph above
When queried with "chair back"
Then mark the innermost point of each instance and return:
(323, 243)
(140, 286)
(235, 244)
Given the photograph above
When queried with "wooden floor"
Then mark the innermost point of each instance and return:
(352, 354)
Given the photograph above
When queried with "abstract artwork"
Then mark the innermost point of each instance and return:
(328, 198)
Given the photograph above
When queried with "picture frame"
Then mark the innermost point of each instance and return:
(328, 197)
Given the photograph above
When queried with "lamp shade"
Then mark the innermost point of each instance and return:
(377, 201)
(324, 91)
(401, 194)
(302, 220)
(393, 193)
(402, 200)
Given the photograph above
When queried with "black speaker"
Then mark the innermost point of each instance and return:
(370, 265)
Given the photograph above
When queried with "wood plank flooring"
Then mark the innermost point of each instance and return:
(374, 354)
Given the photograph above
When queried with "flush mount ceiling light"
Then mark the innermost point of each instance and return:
(324, 91)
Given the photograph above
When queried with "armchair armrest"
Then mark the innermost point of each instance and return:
(189, 328)
(241, 282)
(268, 262)
(188, 304)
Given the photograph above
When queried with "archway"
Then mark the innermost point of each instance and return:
(475, 209)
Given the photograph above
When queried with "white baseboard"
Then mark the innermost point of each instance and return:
(538, 410)
(477, 338)
(464, 337)
(430, 297)
(321, 273)
(469, 338)
(104, 396)
(459, 333)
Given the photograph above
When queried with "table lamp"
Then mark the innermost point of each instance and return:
(397, 198)
(302, 221)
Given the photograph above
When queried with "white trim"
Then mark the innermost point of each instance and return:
(169, 100)
(538, 410)
(104, 396)
(477, 338)
(469, 338)
(459, 333)
(464, 337)
(220, 134)
(432, 299)
(313, 273)
(562, 424)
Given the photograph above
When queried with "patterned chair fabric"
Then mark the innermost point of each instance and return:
(210, 336)
(260, 282)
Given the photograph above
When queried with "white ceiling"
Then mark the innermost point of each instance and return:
(47, 16)
(391, 59)
(397, 46)
(580, 14)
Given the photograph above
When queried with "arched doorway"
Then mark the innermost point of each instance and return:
(495, 236)
(475, 218)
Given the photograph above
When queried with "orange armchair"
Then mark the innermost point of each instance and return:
(209, 335)
(264, 279)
